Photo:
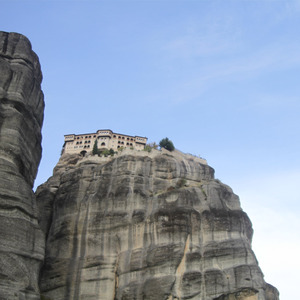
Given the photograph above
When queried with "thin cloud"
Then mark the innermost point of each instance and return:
(208, 37)
(194, 45)
(271, 102)
(268, 59)
(203, 76)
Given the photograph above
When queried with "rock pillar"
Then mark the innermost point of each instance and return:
(21, 118)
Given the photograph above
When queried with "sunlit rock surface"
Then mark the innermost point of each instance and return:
(145, 226)
(21, 117)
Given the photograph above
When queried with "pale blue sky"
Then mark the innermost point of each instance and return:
(219, 78)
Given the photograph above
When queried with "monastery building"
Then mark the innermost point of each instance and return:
(106, 139)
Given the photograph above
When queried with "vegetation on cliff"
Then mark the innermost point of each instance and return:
(167, 144)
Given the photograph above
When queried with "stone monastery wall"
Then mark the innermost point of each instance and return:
(107, 139)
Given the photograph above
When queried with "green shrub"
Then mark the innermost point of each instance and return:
(105, 152)
(111, 152)
(181, 183)
(148, 148)
(203, 191)
(153, 145)
(167, 144)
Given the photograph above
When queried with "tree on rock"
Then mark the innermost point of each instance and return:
(167, 144)
(111, 152)
(95, 148)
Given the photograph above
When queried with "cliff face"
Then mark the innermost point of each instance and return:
(21, 116)
(137, 226)
(145, 226)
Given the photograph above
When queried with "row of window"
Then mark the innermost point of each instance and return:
(103, 144)
(123, 138)
(94, 136)
(122, 143)
(87, 137)
(85, 146)
(86, 142)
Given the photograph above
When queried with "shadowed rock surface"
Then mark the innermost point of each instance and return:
(145, 226)
(21, 117)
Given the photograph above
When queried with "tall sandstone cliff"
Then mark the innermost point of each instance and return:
(21, 117)
(145, 226)
(136, 226)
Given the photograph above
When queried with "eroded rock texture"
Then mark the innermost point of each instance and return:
(145, 226)
(21, 116)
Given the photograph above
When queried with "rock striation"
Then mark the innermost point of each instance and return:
(145, 226)
(21, 117)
